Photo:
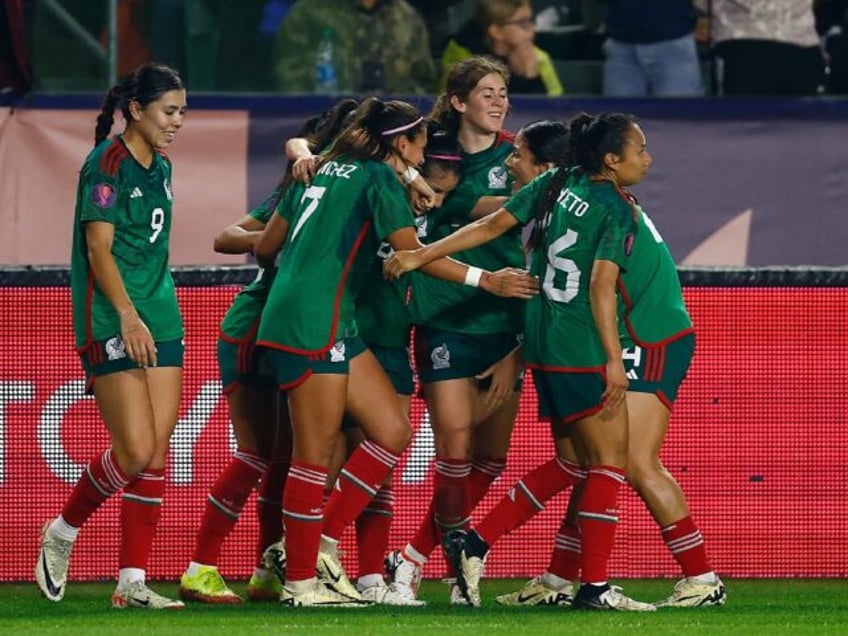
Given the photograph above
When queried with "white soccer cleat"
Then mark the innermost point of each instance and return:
(274, 559)
(138, 595)
(466, 552)
(383, 594)
(689, 592)
(404, 575)
(456, 595)
(608, 598)
(319, 595)
(332, 574)
(51, 570)
(535, 592)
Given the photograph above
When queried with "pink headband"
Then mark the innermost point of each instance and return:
(392, 131)
(444, 157)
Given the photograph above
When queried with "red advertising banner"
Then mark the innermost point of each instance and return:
(758, 442)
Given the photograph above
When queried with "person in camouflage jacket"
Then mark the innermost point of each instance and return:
(380, 46)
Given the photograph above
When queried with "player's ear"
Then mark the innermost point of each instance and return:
(135, 110)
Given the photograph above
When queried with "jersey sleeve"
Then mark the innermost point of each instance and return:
(388, 204)
(265, 210)
(288, 202)
(522, 205)
(99, 195)
(617, 236)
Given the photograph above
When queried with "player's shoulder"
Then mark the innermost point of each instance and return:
(505, 137)
(107, 157)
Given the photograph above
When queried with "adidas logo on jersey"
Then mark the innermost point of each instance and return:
(632, 375)
(136, 193)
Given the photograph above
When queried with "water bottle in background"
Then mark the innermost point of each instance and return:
(326, 76)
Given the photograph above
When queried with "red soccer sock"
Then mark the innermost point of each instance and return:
(141, 507)
(225, 503)
(101, 479)
(269, 505)
(372, 531)
(598, 520)
(484, 471)
(451, 502)
(358, 482)
(566, 555)
(686, 544)
(428, 535)
(528, 497)
(303, 518)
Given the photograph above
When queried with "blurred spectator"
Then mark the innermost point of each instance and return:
(380, 46)
(832, 25)
(186, 34)
(766, 47)
(650, 49)
(505, 29)
(443, 18)
(15, 70)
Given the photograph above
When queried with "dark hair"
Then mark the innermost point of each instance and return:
(589, 140)
(462, 78)
(548, 141)
(376, 124)
(144, 85)
(443, 153)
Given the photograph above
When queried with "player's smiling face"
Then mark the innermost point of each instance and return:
(522, 163)
(160, 121)
(486, 106)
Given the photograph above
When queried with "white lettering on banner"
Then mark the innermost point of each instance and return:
(50, 430)
(11, 392)
(420, 453)
(188, 431)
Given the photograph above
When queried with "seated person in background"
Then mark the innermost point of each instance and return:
(832, 26)
(505, 30)
(378, 46)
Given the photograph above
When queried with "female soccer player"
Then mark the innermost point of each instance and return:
(354, 202)
(461, 332)
(129, 331)
(657, 350)
(260, 421)
(585, 226)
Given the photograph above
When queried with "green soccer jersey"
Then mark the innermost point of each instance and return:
(336, 229)
(453, 306)
(590, 221)
(651, 307)
(382, 314)
(242, 318)
(114, 188)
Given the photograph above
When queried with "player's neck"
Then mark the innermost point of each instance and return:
(473, 139)
(141, 151)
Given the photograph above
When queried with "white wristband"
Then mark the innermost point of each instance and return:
(409, 175)
(472, 276)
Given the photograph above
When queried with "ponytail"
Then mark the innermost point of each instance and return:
(106, 118)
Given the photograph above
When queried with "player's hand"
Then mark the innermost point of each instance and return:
(303, 169)
(399, 263)
(138, 343)
(504, 374)
(422, 202)
(617, 383)
(510, 282)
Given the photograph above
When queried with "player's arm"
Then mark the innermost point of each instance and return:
(271, 240)
(481, 231)
(486, 205)
(240, 237)
(99, 237)
(508, 282)
(604, 303)
(299, 152)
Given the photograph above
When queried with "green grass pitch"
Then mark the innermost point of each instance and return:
(754, 607)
